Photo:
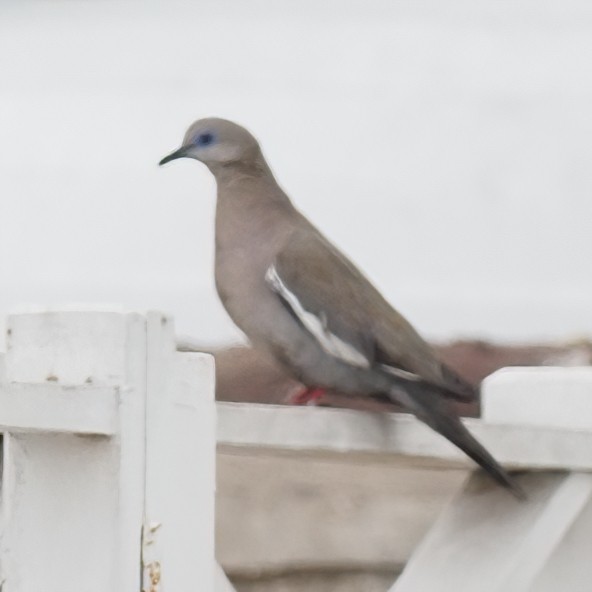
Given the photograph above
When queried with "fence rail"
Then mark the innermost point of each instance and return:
(109, 445)
(394, 438)
(109, 455)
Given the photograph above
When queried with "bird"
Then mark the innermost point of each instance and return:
(304, 303)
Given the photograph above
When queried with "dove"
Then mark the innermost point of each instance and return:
(298, 298)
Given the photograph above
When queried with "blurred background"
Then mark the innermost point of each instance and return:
(445, 146)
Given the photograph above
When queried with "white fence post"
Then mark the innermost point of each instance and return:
(108, 480)
(487, 541)
(180, 468)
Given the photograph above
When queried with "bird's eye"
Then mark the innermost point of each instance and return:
(204, 139)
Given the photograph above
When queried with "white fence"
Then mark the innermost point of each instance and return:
(109, 453)
(108, 480)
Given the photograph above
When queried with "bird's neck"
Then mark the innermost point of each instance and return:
(252, 210)
(248, 183)
(230, 173)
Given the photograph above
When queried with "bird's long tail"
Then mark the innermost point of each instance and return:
(435, 412)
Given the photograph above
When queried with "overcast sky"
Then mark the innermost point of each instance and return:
(446, 147)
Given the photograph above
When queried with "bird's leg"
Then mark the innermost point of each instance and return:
(307, 396)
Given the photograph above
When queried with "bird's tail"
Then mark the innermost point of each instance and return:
(435, 412)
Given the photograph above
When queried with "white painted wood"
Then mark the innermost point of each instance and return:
(2, 368)
(131, 478)
(53, 408)
(72, 506)
(560, 511)
(59, 514)
(268, 429)
(222, 583)
(488, 541)
(66, 347)
(180, 463)
(131, 509)
(546, 397)
(570, 563)
(109, 470)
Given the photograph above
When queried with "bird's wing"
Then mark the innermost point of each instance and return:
(349, 318)
(320, 288)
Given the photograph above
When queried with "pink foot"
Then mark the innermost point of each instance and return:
(307, 396)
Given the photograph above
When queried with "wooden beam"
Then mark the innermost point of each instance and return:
(58, 409)
(488, 541)
(397, 437)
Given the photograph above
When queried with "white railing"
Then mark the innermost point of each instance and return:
(109, 453)
(108, 480)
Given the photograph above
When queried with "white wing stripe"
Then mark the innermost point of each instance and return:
(400, 373)
(332, 344)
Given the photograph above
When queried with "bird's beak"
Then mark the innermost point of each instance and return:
(180, 153)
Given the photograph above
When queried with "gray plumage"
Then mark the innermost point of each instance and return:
(297, 297)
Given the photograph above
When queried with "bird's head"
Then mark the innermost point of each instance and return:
(216, 142)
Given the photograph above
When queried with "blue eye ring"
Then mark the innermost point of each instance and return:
(204, 139)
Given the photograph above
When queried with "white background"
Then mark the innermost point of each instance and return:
(445, 146)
